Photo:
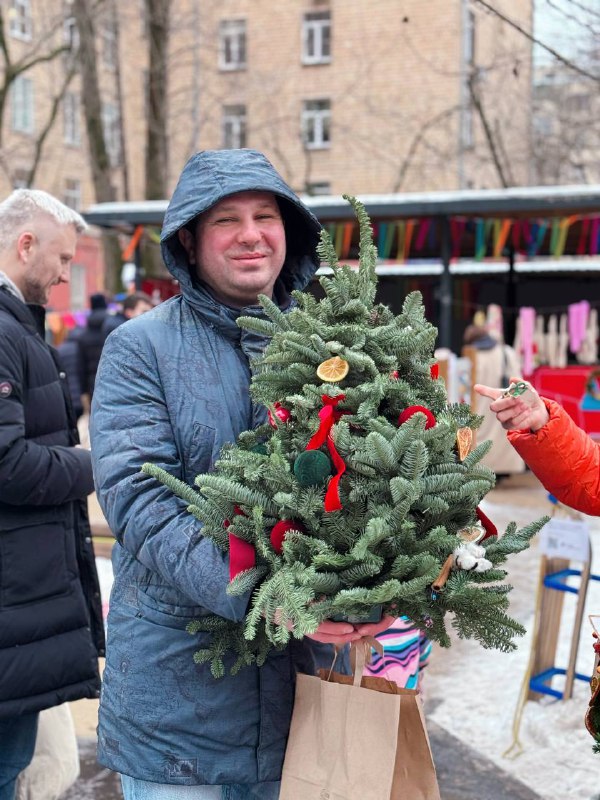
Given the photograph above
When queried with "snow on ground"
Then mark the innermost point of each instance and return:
(473, 693)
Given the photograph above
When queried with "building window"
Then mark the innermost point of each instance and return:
(112, 133)
(144, 18)
(20, 23)
(72, 194)
(109, 44)
(71, 119)
(316, 38)
(467, 133)
(467, 127)
(71, 35)
(22, 105)
(78, 288)
(232, 44)
(318, 188)
(234, 127)
(470, 40)
(316, 124)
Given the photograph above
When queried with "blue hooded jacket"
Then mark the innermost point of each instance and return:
(172, 388)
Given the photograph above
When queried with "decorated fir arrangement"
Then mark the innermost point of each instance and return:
(360, 495)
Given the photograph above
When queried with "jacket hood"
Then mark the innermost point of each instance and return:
(209, 177)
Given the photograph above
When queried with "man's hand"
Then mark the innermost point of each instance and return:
(520, 412)
(343, 632)
(340, 633)
(373, 628)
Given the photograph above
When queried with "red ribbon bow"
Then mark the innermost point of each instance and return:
(328, 416)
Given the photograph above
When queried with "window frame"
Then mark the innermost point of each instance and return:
(234, 115)
(110, 55)
(318, 189)
(71, 34)
(20, 20)
(22, 105)
(233, 40)
(111, 128)
(319, 122)
(72, 194)
(72, 119)
(314, 25)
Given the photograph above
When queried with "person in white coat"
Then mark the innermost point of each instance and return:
(494, 362)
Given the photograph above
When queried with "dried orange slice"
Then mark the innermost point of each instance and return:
(332, 370)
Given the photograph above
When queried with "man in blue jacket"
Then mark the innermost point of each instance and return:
(51, 630)
(173, 388)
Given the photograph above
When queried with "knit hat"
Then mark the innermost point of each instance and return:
(98, 301)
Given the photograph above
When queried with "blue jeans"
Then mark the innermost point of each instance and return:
(17, 743)
(134, 789)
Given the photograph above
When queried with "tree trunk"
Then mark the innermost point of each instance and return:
(92, 106)
(157, 165)
(156, 132)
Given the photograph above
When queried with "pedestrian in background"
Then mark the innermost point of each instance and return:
(91, 342)
(494, 363)
(51, 631)
(132, 306)
(69, 353)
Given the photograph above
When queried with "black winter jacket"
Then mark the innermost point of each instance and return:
(91, 342)
(69, 353)
(51, 630)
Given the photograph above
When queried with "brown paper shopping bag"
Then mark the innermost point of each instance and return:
(357, 738)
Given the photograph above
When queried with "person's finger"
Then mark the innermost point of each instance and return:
(325, 638)
(503, 403)
(335, 628)
(487, 391)
(522, 421)
(373, 628)
(505, 413)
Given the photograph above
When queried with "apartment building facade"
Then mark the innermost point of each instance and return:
(342, 95)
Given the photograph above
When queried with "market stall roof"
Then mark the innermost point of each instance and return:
(517, 201)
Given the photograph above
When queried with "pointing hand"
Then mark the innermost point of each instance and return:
(522, 411)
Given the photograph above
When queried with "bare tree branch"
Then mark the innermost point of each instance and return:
(41, 139)
(416, 141)
(475, 99)
(570, 64)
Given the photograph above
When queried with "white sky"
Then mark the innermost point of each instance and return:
(562, 24)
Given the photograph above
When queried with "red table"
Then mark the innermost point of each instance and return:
(577, 389)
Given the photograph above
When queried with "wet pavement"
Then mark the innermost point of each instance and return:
(463, 774)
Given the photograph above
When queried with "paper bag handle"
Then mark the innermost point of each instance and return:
(360, 655)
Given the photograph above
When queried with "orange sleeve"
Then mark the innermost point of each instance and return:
(564, 458)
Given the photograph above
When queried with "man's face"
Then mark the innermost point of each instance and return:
(240, 247)
(47, 258)
(140, 308)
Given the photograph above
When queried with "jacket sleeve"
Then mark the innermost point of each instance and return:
(130, 425)
(564, 458)
(32, 473)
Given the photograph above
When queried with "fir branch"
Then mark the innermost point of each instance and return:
(326, 250)
(274, 313)
(259, 325)
(176, 485)
(367, 254)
